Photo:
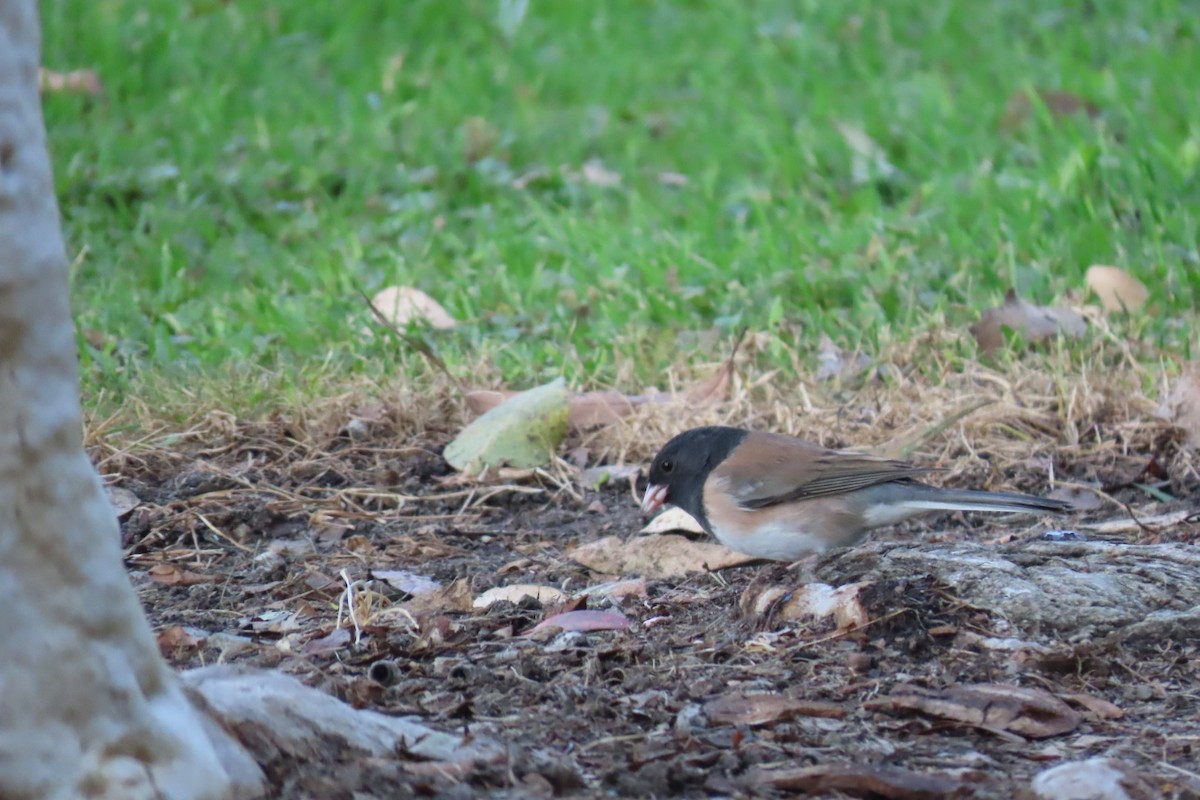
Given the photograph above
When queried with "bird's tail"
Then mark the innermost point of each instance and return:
(972, 500)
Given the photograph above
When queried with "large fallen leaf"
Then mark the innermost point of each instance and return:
(655, 556)
(763, 708)
(994, 707)
(521, 432)
(1181, 407)
(1035, 323)
(585, 620)
(515, 593)
(401, 305)
(859, 780)
(1116, 288)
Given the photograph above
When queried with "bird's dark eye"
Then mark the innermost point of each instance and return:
(667, 466)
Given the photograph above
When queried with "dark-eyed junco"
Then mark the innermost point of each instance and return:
(783, 498)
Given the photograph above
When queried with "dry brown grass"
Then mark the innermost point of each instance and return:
(1041, 419)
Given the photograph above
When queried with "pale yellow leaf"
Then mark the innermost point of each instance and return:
(1116, 288)
(401, 305)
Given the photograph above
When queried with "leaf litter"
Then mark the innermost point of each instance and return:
(591, 706)
(1034, 323)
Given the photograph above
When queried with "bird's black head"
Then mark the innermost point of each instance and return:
(678, 472)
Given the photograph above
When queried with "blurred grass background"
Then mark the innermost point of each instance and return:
(594, 188)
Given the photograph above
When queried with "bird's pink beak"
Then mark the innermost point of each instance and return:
(654, 498)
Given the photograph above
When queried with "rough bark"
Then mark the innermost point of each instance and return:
(1090, 591)
(89, 709)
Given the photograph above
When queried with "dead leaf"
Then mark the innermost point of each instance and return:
(1059, 103)
(994, 707)
(1116, 288)
(1097, 706)
(405, 581)
(78, 81)
(401, 305)
(714, 388)
(670, 520)
(123, 501)
(455, 597)
(675, 179)
(175, 638)
(1182, 404)
(515, 593)
(832, 362)
(762, 708)
(893, 783)
(655, 556)
(593, 409)
(585, 620)
(1035, 323)
(331, 642)
(173, 575)
(595, 173)
(812, 604)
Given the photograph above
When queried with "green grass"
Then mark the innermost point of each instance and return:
(251, 169)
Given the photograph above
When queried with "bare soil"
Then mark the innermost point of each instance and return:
(241, 549)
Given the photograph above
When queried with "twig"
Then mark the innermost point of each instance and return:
(415, 343)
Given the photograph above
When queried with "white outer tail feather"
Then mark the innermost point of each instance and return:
(891, 513)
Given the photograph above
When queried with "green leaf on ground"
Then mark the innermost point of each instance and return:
(521, 432)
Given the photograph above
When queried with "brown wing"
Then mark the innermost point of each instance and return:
(767, 469)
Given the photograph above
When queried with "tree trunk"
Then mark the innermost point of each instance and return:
(87, 707)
